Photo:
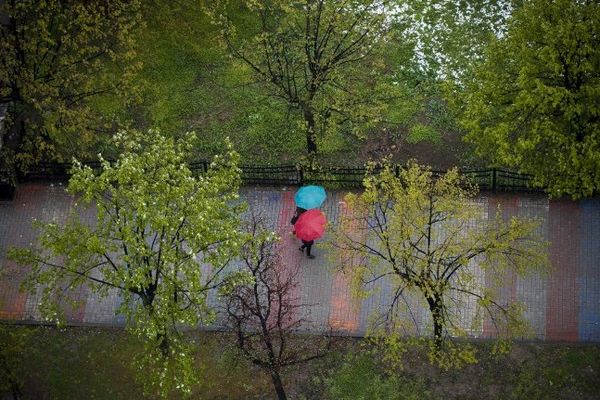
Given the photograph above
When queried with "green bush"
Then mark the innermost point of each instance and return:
(359, 378)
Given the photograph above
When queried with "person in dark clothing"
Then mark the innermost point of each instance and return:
(307, 245)
(297, 214)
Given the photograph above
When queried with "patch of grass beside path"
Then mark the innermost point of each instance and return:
(94, 363)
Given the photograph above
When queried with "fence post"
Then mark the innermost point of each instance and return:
(301, 175)
(494, 171)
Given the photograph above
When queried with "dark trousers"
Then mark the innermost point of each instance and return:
(307, 245)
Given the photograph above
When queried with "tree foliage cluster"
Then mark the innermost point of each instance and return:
(430, 239)
(533, 103)
(324, 60)
(54, 57)
(155, 224)
(520, 77)
(450, 37)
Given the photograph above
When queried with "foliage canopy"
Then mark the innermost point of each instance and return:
(55, 56)
(433, 242)
(535, 102)
(155, 225)
(323, 59)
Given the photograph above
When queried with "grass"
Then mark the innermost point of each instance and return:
(94, 363)
(91, 363)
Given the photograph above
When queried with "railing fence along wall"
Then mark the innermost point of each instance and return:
(492, 179)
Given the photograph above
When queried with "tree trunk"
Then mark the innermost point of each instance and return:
(437, 314)
(278, 385)
(311, 140)
(163, 344)
(162, 338)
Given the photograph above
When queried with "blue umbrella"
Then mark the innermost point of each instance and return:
(309, 197)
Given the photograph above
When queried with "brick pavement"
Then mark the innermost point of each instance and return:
(563, 305)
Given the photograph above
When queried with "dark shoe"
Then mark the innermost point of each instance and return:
(301, 249)
(311, 256)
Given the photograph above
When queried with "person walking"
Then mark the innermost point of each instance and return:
(306, 244)
(309, 222)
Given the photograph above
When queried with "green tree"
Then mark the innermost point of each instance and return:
(55, 56)
(155, 225)
(322, 59)
(428, 237)
(534, 103)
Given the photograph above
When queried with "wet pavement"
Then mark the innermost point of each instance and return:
(561, 305)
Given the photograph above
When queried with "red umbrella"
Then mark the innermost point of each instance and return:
(310, 225)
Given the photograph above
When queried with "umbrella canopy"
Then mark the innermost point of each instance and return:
(309, 197)
(310, 225)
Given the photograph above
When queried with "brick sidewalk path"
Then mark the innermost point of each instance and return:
(563, 305)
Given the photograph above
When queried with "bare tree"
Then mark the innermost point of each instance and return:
(266, 315)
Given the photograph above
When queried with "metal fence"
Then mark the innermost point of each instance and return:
(487, 179)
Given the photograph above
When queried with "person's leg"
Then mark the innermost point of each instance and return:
(303, 246)
(308, 248)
